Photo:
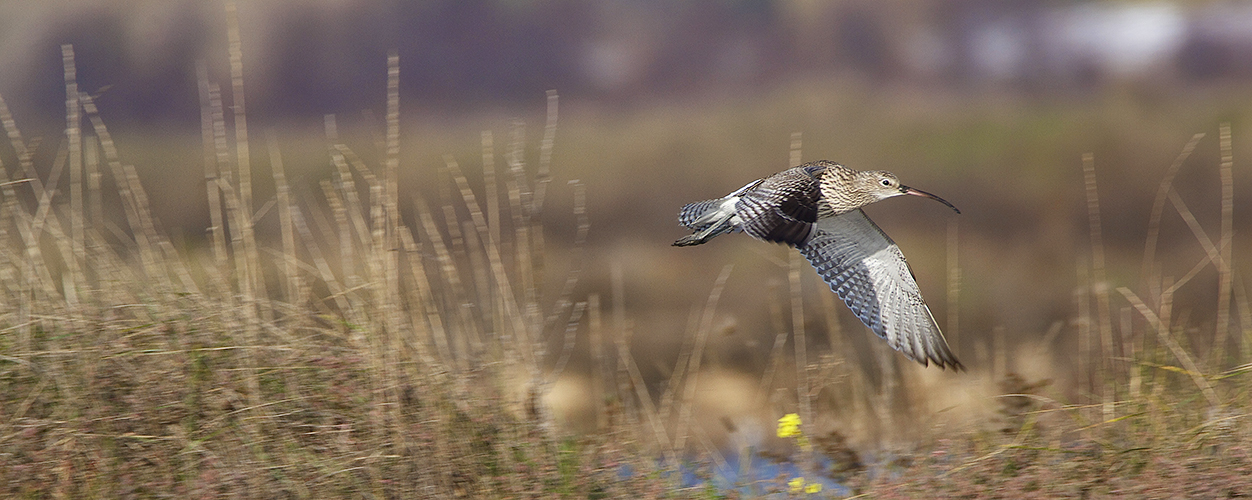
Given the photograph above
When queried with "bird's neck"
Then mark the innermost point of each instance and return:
(839, 194)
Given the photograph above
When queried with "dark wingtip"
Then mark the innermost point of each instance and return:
(944, 362)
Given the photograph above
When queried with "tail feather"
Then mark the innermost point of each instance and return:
(708, 219)
(691, 214)
(708, 233)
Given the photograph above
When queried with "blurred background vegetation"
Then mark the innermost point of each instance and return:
(990, 104)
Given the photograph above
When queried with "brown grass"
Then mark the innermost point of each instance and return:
(348, 353)
(131, 369)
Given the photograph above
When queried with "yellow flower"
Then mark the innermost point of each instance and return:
(797, 485)
(789, 425)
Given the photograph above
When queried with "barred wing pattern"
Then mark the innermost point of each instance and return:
(783, 208)
(868, 272)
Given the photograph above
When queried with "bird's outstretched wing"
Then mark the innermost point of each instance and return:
(867, 270)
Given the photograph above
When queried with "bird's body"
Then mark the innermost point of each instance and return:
(816, 208)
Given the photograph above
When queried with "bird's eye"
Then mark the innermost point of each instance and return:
(886, 182)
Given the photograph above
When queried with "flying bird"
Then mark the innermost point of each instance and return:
(816, 208)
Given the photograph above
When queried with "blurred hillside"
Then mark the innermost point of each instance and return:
(309, 57)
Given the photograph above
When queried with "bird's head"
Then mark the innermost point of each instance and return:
(878, 185)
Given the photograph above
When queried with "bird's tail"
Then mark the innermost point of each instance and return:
(709, 218)
(692, 214)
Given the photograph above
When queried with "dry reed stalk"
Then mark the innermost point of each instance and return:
(509, 311)
(488, 233)
(25, 152)
(254, 283)
(803, 395)
(74, 138)
(1214, 254)
(425, 318)
(779, 325)
(490, 185)
(797, 316)
(600, 375)
(697, 353)
(35, 279)
(528, 239)
(1161, 325)
(210, 112)
(623, 343)
(91, 163)
(519, 191)
(392, 163)
(834, 329)
(43, 206)
(574, 274)
(794, 158)
(25, 269)
(952, 333)
(37, 223)
(94, 223)
(382, 324)
(177, 265)
(678, 374)
(1150, 271)
(347, 252)
(855, 387)
(1245, 321)
(645, 399)
(136, 206)
(450, 275)
(322, 266)
(1132, 352)
(1101, 289)
(1161, 352)
(295, 290)
(711, 451)
(486, 304)
(397, 350)
(1082, 299)
(884, 404)
(568, 341)
(1225, 267)
(543, 175)
(131, 179)
(345, 162)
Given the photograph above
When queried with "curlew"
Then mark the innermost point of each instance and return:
(816, 208)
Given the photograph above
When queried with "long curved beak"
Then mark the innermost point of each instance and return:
(917, 192)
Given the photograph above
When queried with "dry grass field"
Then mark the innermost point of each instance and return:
(460, 339)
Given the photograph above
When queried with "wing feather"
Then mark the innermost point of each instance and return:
(868, 272)
(783, 208)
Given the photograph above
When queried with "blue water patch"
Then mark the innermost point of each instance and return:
(761, 475)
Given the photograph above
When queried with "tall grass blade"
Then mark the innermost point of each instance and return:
(1225, 267)
(1101, 288)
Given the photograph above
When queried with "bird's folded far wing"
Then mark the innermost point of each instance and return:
(782, 209)
(868, 272)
